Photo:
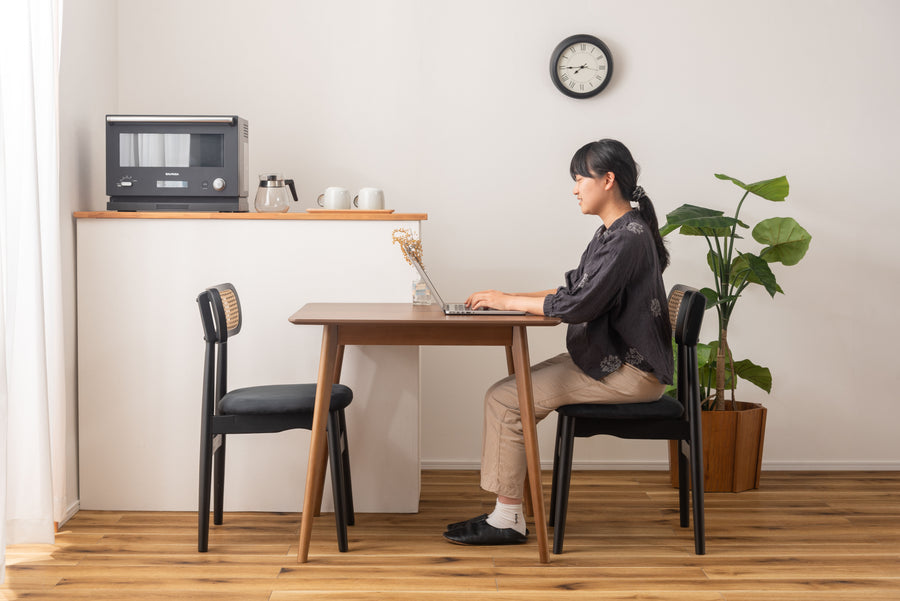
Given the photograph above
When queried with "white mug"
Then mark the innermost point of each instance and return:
(369, 199)
(334, 198)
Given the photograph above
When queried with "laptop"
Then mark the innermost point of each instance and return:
(454, 308)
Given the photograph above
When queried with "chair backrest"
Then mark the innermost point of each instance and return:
(220, 312)
(686, 307)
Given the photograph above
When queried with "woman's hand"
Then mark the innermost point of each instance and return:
(488, 299)
(530, 302)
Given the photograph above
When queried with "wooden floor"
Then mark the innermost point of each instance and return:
(803, 536)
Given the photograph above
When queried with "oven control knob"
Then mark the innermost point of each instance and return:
(218, 184)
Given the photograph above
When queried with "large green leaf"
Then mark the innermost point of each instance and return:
(755, 374)
(715, 262)
(718, 232)
(712, 297)
(787, 240)
(756, 271)
(668, 228)
(699, 221)
(744, 369)
(704, 352)
(706, 363)
(771, 189)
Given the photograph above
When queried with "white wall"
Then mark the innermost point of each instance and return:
(87, 89)
(450, 109)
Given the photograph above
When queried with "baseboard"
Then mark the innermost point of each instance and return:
(878, 465)
(776, 466)
(548, 465)
(71, 510)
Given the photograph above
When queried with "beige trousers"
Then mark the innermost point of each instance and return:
(556, 382)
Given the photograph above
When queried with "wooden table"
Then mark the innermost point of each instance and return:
(407, 324)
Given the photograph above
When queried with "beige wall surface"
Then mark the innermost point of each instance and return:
(450, 109)
(87, 88)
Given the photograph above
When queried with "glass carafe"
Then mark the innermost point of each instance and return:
(272, 194)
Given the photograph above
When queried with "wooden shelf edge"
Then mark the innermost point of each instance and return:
(249, 216)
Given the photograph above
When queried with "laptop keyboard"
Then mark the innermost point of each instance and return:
(462, 308)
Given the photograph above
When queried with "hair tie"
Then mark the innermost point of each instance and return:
(638, 194)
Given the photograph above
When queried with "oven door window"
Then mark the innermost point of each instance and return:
(171, 150)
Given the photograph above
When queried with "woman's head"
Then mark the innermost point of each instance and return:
(597, 159)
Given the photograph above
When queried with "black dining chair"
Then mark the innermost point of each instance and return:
(665, 419)
(258, 409)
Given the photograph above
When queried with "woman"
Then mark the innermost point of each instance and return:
(618, 341)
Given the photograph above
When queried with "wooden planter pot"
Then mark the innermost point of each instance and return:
(732, 448)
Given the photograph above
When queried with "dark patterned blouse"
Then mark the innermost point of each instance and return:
(615, 303)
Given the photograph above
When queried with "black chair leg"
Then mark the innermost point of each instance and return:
(562, 478)
(219, 480)
(552, 519)
(684, 483)
(697, 494)
(337, 478)
(203, 501)
(348, 481)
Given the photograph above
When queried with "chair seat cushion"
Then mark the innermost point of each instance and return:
(665, 408)
(280, 398)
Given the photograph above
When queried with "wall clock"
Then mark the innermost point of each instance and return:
(581, 66)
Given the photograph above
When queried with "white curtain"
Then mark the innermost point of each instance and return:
(32, 376)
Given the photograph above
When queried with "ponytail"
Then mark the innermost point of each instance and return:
(648, 214)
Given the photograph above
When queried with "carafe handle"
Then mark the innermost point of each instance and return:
(290, 184)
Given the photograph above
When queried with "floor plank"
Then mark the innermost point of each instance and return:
(803, 536)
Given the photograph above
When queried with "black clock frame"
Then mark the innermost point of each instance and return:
(562, 46)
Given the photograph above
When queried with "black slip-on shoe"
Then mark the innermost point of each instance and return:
(456, 525)
(482, 533)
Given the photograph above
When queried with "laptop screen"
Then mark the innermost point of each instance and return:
(421, 270)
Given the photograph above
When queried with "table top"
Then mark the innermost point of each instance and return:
(404, 314)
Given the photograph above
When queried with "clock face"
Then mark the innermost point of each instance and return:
(581, 66)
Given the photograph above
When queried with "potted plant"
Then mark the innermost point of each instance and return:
(733, 431)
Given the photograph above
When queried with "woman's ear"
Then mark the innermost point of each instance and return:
(609, 180)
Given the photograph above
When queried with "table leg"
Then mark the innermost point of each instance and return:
(320, 469)
(526, 500)
(318, 443)
(526, 409)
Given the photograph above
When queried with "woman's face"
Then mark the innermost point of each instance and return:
(592, 192)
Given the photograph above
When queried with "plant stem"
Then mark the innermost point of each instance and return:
(717, 272)
(730, 257)
(726, 288)
(720, 371)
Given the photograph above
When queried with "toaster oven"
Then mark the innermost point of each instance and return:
(176, 163)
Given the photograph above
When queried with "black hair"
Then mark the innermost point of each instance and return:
(598, 158)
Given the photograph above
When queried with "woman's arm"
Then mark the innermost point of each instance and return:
(532, 302)
(540, 294)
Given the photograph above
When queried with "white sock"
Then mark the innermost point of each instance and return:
(507, 516)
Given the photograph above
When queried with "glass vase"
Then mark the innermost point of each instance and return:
(421, 295)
